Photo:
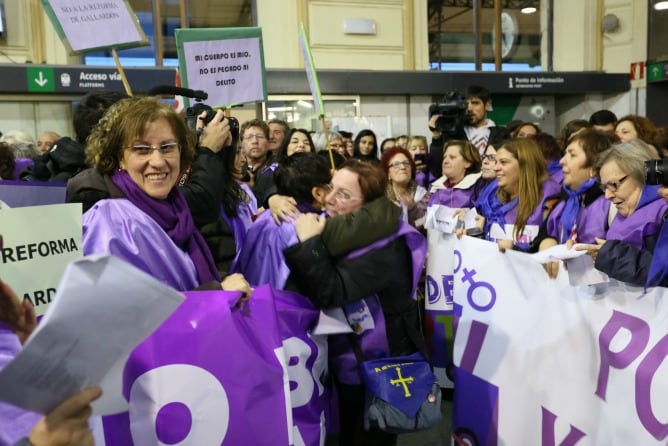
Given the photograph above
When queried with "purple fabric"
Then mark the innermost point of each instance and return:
(20, 165)
(309, 393)
(118, 227)
(424, 179)
(15, 423)
(223, 366)
(591, 222)
(453, 197)
(174, 217)
(32, 193)
(242, 222)
(555, 172)
(261, 259)
(646, 220)
(571, 207)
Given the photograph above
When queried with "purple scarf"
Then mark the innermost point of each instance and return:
(572, 207)
(173, 216)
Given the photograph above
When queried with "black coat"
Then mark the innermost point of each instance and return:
(387, 272)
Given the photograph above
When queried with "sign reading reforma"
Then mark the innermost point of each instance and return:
(226, 63)
(86, 25)
(38, 243)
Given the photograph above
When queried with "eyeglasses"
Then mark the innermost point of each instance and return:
(614, 185)
(168, 150)
(258, 136)
(341, 195)
(400, 164)
(492, 158)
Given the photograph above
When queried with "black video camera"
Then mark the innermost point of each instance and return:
(451, 111)
(193, 112)
(656, 172)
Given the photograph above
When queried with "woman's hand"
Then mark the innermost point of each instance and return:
(309, 225)
(237, 282)
(20, 315)
(505, 244)
(282, 208)
(592, 249)
(67, 424)
(405, 198)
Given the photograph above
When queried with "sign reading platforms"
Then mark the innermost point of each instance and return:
(226, 63)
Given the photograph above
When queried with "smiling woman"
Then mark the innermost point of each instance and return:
(138, 151)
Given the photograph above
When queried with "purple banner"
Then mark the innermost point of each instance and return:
(19, 194)
(209, 375)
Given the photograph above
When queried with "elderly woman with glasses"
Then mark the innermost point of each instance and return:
(626, 253)
(402, 188)
(139, 150)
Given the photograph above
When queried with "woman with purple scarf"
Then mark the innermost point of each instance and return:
(582, 213)
(140, 148)
(626, 253)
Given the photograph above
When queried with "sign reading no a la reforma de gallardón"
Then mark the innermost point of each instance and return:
(226, 63)
(89, 25)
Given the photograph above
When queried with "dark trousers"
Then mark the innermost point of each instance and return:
(351, 418)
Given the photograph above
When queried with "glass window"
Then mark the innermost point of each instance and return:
(199, 14)
(452, 35)
(298, 111)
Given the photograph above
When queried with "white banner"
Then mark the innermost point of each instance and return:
(38, 243)
(545, 363)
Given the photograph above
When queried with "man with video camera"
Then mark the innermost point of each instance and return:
(461, 117)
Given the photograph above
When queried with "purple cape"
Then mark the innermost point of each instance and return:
(15, 423)
(242, 222)
(645, 220)
(591, 221)
(118, 227)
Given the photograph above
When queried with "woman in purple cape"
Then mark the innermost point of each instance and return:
(627, 253)
(140, 149)
(389, 270)
(582, 213)
(458, 187)
(512, 216)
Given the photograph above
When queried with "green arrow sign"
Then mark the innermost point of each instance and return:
(40, 79)
(655, 72)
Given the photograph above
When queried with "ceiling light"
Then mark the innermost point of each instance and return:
(661, 5)
(531, 10)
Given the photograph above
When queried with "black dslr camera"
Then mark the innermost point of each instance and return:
(656, 172)
(193, 112)
(451, 111)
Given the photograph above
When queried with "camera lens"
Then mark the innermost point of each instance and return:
(654, 172)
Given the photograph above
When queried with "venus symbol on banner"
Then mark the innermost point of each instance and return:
(155, 401)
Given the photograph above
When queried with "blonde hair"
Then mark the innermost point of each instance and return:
(532, 175)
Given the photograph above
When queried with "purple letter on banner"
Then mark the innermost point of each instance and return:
(639, 338)
(646, 370)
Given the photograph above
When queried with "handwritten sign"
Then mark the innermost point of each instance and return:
(226, 63)
(88, 25)
(310, 72)
(38, 243)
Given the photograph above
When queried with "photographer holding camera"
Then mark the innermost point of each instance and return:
(462, 117)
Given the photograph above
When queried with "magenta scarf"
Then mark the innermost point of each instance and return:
(173, 216)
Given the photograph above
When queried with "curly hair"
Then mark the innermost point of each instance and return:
(125, 121)
(645, 128)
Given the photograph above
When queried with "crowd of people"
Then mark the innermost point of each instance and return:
(339, 217)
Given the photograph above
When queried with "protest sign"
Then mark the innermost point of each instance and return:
(226, 63)
(311, 74)
(90, 25)
(38, 243)
(543, 362)
(31, 193)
